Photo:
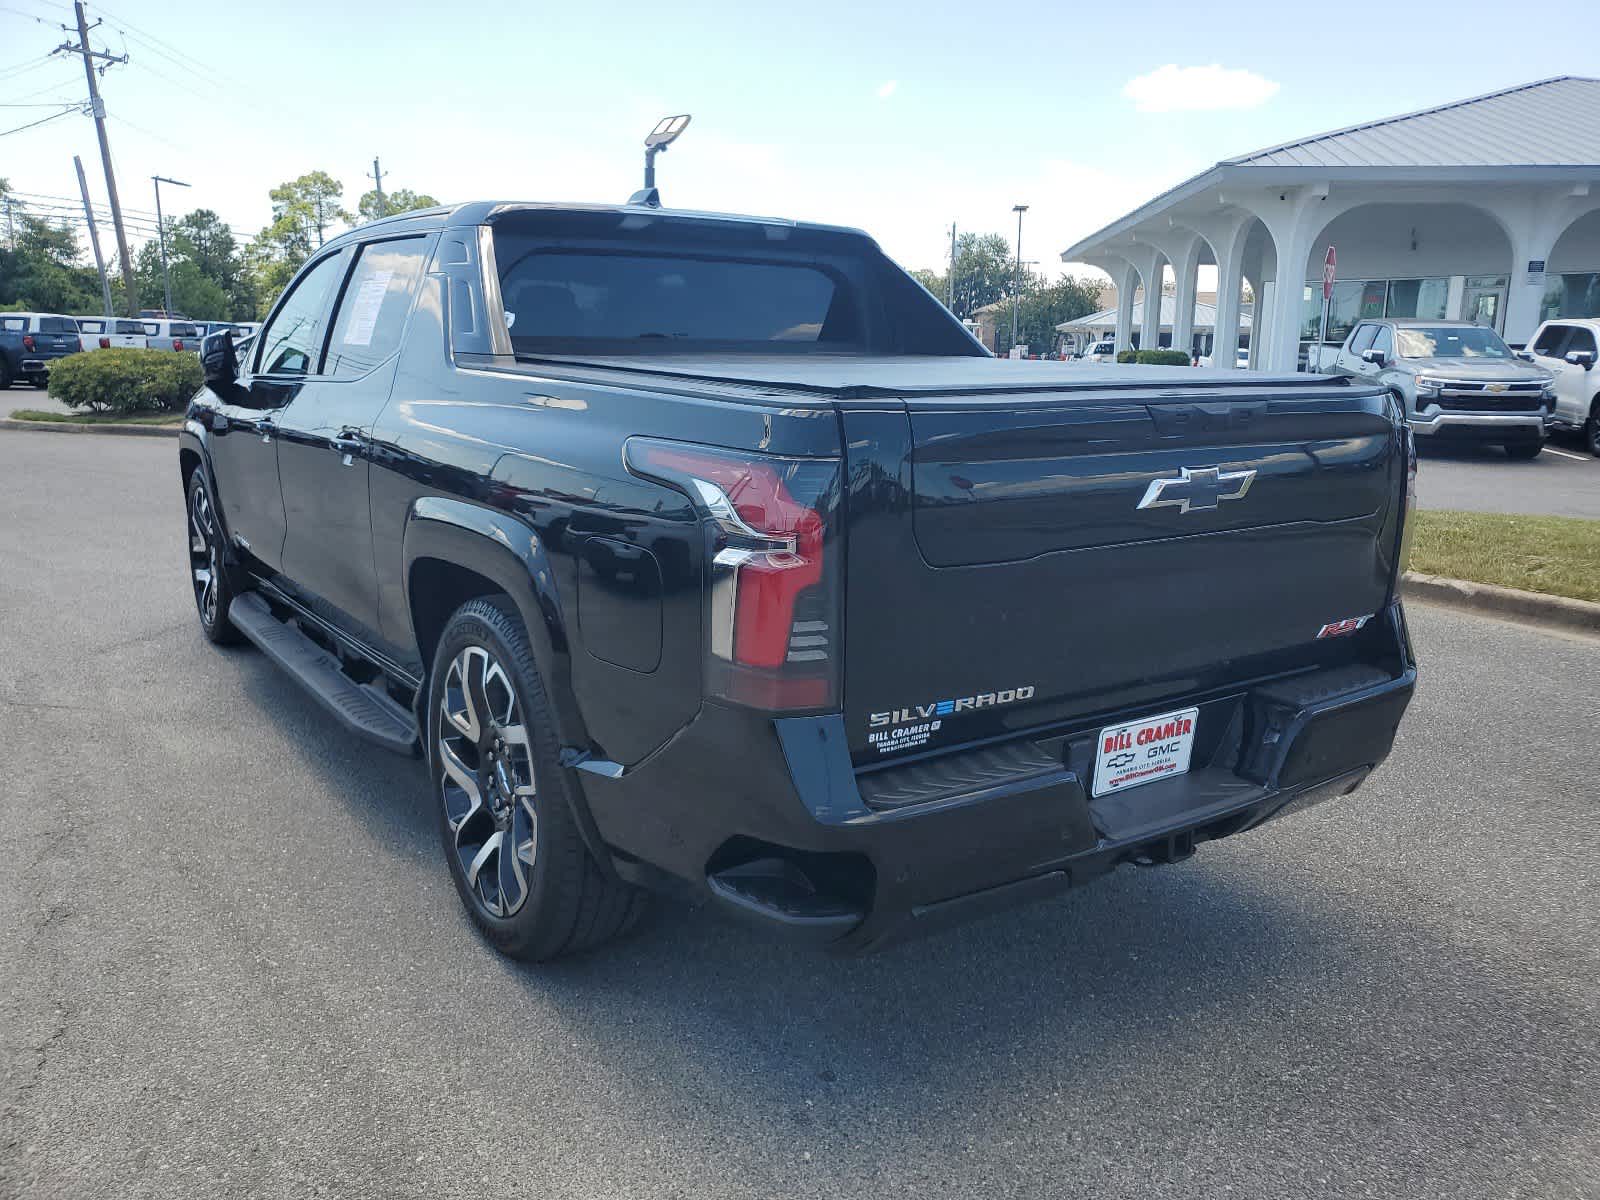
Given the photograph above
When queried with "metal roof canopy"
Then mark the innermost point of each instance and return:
(1540, 130)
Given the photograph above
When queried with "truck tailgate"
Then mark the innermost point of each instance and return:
(1017, 561)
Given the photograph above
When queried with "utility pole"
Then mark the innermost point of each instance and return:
(98, 108)
(377, 180)
(161, 229)
(94, 236)
(1016, 283)
(950, 303)
(11, 228)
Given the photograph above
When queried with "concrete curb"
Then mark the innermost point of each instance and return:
(1533, 608)
(124, 429)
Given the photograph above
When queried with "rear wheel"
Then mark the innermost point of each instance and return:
(5, 375)
(1524, 451)
(506, 813)
(213, 591)
(39, 380)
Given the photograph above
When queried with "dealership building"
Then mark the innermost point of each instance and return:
(1484, 210)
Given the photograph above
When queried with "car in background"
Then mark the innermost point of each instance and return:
(239, 329)
(1455, 382)
(108, 333)
(1241, 359)
(30, 342)
(164, 333)
(1101, 352)
(1568, 350)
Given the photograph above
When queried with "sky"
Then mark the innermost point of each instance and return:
(898, 118)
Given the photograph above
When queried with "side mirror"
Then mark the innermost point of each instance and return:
(1581, 358)
(219, 360)
(1375, 357)
(1524, 355)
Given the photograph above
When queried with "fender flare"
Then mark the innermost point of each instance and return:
(510, 554)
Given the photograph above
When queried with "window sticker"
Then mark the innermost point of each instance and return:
(364, 309)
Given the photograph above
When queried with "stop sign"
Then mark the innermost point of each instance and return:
(1327, 274)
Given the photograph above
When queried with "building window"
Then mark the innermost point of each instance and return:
(1422, 298)
(1353, 300)
(1575, 294)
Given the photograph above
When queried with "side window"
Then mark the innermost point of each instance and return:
(293, 338)
(92, 326)
(152, 329)
(14, 324)
(372, 311)
(1548, 343)
(1384, 342)
(1363, 339)
(1582, 341)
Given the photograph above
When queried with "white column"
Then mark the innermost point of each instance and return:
(1293, 239)
(1127, 279)
(1227, 234)
(1186, 266)
(1149, 260)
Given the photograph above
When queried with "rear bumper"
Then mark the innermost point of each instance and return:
(769, 818)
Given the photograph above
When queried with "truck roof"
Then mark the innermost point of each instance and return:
(479, 212)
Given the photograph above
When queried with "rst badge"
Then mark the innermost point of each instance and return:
(1340, 628)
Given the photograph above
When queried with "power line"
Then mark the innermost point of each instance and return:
(160, 46)
(31, 124)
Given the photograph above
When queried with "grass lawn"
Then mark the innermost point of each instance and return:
(1558, 555)
(154, 417)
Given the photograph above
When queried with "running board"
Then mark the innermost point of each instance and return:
(364, 710)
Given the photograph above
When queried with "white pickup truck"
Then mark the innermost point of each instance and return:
(105, 333)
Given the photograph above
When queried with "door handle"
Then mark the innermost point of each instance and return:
(349, 443)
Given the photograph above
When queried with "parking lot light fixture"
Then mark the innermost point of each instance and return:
(1016, 282)
(161, 230)
(663, 135)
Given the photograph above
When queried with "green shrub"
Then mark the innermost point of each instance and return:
(1163, 358)
(120, 380)
(1127, 356)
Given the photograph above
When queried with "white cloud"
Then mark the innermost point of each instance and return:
(1198, 89)
(886, 89)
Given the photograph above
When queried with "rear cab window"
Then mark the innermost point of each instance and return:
(610, 283)
(57, 325)
(14, 324)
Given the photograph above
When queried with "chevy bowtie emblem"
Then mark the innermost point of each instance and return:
(1497, 387)
(1201, 487)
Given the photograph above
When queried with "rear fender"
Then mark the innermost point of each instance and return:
(511, 555)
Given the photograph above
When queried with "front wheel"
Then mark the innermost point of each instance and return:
(1591, 428)
(208, 572)
(1524, 451)
(506, 812)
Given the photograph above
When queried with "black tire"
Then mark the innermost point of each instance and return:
(5, 375)
(1591, 428)
(497, 777)
(40, 380)
(1523, 451)
(208, 569)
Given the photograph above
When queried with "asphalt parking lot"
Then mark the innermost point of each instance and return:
(231, 962)
(1564, 481)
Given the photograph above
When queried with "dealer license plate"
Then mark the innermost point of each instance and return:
(1144, 751)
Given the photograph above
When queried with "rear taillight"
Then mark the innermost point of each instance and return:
(177, 343)
(772, 599)
(27, 341)
(105, 343)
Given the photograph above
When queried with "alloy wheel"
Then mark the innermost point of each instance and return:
(486, 779)
(204, 564)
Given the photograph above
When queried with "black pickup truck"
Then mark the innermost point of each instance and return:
(692, 549)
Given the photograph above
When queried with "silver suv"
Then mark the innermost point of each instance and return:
(1456, 382)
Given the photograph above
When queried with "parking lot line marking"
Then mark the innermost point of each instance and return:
(1567, 454)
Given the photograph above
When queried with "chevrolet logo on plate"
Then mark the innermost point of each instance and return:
(1199, 487)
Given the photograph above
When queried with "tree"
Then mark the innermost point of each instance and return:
(203, 239)
(984, 272)
(40, 268)
(399, 201)
(302, 211)
(1043, 306)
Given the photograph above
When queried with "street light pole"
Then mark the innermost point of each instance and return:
(1016, 282)
(161, 230)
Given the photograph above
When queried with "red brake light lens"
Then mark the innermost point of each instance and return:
(105, 343)
(177, 343)
(771, 598)
(27, 341)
